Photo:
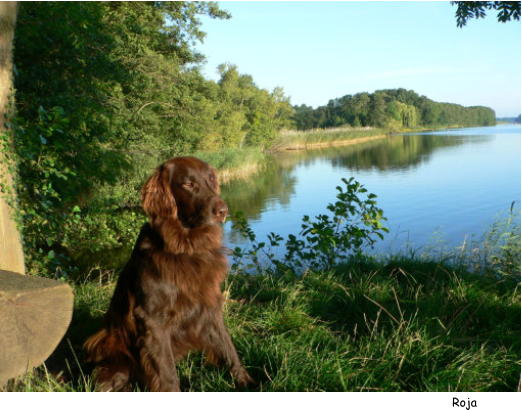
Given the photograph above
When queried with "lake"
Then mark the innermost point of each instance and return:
(436, 187)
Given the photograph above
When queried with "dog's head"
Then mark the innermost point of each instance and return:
(187, 189)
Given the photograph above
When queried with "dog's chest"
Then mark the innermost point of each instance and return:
(192, 278)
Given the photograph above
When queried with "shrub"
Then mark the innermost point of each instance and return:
(354, 224)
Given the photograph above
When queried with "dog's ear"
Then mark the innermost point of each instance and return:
(156, 195)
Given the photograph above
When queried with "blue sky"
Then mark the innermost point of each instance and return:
(320, 50)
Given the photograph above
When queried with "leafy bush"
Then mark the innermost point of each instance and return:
(60, 211)
(44, 213)
(354, 224)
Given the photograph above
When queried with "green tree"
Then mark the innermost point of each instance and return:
(361, 104)
(231, 114)
(391, 110)
(95, 79)
(377, 113)
(303, 117)
(248, 115)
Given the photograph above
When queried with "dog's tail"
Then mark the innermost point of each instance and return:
(114, 363)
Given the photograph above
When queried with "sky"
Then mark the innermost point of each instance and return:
(318, 50)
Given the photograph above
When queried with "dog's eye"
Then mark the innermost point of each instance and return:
(188, 185)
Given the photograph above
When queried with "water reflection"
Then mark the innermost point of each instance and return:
(276, 183)
(450, 183)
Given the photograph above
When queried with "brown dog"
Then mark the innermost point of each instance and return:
(168, 300)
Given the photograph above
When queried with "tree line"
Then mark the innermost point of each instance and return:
(391, 110)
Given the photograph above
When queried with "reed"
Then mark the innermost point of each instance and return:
(291, 139)
(234, 163)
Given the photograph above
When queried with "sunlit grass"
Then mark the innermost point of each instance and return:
(395, 323)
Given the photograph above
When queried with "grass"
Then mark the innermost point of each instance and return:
(400, 323)
(242, 163)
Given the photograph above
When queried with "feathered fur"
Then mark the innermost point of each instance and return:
(168, 300)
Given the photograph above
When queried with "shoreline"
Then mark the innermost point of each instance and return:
(303, 141)
(250, 165)
(314, 145)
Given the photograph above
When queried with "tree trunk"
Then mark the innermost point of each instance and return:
(34, 312)
(11, 252)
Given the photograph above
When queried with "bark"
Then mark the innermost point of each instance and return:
(11, 251)
(34, 312)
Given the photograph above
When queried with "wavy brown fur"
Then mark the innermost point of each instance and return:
(168, 300)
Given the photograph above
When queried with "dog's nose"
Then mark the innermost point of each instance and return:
(220, 211)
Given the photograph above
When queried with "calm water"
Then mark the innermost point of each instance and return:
(448, 185)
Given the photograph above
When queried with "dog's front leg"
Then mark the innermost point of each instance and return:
(219, 348)
(157, 360)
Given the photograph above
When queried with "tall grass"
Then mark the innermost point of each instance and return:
(395, 323)
(234, 163)
(291, 139)
(497, 252)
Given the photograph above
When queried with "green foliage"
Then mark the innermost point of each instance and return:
(104, 92)
(354, 225)
(477, 9)
(392, 110)
(247, 115)
(45, 186)
(59, 214)
(125, 74)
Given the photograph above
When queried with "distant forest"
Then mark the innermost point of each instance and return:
(391, 110)
(513, 120)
